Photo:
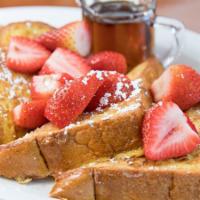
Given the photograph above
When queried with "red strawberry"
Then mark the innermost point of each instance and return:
(180, 84)
(108, 60)
(70, 101)
(48, 39)
(167, 133)
(30, 114)
(65, 61)
(26, 55)
(74, 36)
(42, 87)
(115, 88)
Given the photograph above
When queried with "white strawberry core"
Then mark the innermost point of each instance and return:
(17, 112)
(46, 83)
(83, 40)
(160, 86)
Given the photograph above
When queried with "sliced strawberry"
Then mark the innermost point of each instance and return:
(115, 88)
(193, 127)
(30, 114)
(180, 84)
(70, 101)
(26, 55)
(74, 36)
(167, 133)
(48, 39)
(65, 61)
(43, 86)
(108, 60)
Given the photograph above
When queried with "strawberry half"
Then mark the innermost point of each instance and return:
(30, 114)
(65, 61)
(115, 88)
(25, 55)
(180, 84)
(167, 132)
(74, 36)
(70, 101)
(108, 60)
(48, 39)
(43, 86)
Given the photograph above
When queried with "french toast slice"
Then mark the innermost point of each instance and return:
(194, 115)
(106, 133)
(128, 178)
(29, 29)
(14, 89)
(92, 136)
(148, 71)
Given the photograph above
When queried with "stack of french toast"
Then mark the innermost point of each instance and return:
(103, 133)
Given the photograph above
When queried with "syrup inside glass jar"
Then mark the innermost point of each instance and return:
(121, 26)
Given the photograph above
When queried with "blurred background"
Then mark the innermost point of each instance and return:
(188, 11)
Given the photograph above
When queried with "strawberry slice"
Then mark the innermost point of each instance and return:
(30, 114)
(74, 36)
(167, 132)
(115, 88)
(43, 87)
(70, 101)
(108, 60)
(48, 39)
(65, 61)
(25, 55)
(180, 84)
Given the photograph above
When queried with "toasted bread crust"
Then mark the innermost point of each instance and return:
(148, 71)
(76, 187)
(135, 178)
(194, 115)
(77, 144)
(103, 134)
(14, 89)
(19, 165)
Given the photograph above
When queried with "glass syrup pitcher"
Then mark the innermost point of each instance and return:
(128, 27)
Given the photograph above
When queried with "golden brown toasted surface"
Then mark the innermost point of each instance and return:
(14, 89)
(76, 188)
(22, 159)
(194, 115)
(28, 29)
(148, 71)
(102, 134)
(127, 178)
(93, 136)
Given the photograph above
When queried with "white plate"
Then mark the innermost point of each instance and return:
(57, 16)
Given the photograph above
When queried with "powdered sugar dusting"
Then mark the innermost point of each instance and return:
(136, 83)
(91, 123)
(85, 80)
(119, 91)
(66, 129)
(14, 89)
(104, 101)
(29, 24)
(99, 74)
(99, 109)
(107, 117)
(132, 107)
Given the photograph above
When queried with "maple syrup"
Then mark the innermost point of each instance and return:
(121, 26)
